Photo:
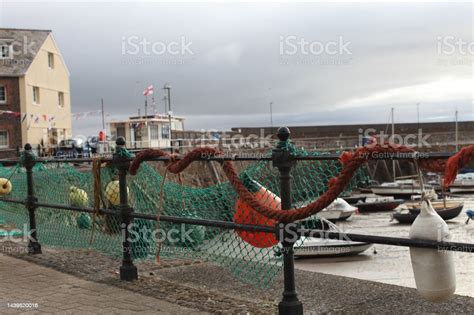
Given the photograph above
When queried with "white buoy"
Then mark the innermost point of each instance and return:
(433, 269)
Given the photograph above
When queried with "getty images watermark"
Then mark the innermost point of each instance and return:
(142, 50)
(299, 50)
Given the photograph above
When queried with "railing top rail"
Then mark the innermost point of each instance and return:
(228, 156)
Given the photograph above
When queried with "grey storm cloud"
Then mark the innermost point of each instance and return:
(227, 62)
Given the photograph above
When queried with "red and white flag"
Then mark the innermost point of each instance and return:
(148, 91)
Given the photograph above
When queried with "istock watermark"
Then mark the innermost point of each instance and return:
(138, 50)
(454, 51)
(183, 234)
(16, 235)
(299, 50)
(135, 45)
(14, 52)
(450, 45)
(371, 136)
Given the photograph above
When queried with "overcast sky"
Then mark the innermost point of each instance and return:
(227, 62)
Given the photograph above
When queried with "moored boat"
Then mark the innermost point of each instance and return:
(379, 204)
(464, 183)
(339, 209)
(318, 247)
(354, 199)
(308, 246)
(400, 188)
(447, 212)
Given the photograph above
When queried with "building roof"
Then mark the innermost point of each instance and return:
(149, 118)
(26, 44)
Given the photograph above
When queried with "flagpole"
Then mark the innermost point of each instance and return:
(167, 87)
(146, 105)
(102, 108)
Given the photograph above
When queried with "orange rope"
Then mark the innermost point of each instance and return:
(351, 162)
(457, 161)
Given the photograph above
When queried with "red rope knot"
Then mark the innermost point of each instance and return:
(143, 156)
(345, 157)
(173, 157)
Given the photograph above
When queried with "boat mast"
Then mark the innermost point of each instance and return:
(456, 130)
(102, 111)
(393, 140)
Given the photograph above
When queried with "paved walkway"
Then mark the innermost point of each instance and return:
(38, 289)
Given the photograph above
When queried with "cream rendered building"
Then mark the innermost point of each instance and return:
(35, 79)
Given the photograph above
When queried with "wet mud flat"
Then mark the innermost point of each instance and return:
(391, 264)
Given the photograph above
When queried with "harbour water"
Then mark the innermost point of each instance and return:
(391, 264)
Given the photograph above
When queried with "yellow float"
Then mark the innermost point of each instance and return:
(112, 193)
(78, 197)
(5, 186)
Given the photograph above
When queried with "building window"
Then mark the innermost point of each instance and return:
(3, 139)
(36, 95)
(154, 132)
(61, 99)
(5, 52)
(51, 60)
(121, 131)
(3, 94)
(165, 132)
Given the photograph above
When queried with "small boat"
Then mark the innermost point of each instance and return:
(464, 183)
(368, 188)
(324, 247)
(319, 247)
(354, 199)
(400, 188)
(339, 209)
(452, 210)
(379, 204)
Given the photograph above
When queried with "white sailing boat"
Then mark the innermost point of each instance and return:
(339, 209)
(400, 188)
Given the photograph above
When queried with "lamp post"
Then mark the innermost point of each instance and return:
(418, 116)
(271, 117)
(167, 87)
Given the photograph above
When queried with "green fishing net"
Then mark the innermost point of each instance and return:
(73, 185)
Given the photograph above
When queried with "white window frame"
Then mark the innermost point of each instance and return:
(10, 47)
(51, 61)
(38, 101)
(4, 146)
(61, 99)
(4, 93)
(165, 131)
(154, 132)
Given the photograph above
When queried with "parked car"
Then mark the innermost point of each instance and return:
(93, 143)
(70, 148)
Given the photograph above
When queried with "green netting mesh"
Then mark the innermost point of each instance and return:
(66, 184)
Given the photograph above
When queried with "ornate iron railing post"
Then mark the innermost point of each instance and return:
(121, 160)
(28, 160)
(283, 160)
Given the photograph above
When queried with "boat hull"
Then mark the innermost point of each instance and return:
(332, 249)
(461, 189)
(354, 200)
(379, 206)
(400, 193)
(335, 215)
(445, 214)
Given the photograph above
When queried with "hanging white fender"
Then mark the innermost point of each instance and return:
(433, 269)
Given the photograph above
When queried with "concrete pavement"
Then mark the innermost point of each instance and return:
(27, 287)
